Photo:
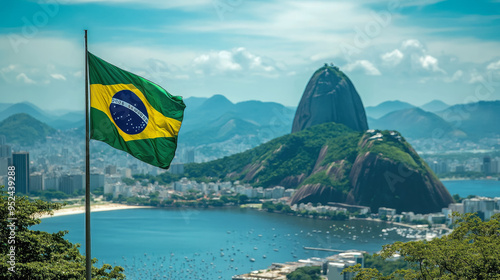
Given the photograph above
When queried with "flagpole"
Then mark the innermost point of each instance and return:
(88, 267)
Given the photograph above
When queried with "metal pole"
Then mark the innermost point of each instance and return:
(88, 267)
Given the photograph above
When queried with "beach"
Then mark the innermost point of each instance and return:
(71, 210)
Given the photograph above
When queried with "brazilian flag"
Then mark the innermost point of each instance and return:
(133, 114)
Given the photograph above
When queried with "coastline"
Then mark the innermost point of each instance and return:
(93, 208)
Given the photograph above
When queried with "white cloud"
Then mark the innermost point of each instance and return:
(430, 63)
(476, 77)
(393, 58)
(494, 66)
(235, 60)
(9, 68)
(366, 66)
(412, 43)
(58, 77)
(24, 78)
(456, 77)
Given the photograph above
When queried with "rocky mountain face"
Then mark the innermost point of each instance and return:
(387, 174)
(332, 163)
(330, 97)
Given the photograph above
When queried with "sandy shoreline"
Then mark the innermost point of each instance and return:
(93, 208)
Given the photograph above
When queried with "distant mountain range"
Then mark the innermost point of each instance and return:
(213, 120)
(416, 123)
(435, 106)
(66, 121)
(385, 108)
(478, 120)
(216, 119)
(472, 121)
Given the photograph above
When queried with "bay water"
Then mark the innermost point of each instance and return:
(222, 242)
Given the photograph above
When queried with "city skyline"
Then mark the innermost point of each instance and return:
(413, 51)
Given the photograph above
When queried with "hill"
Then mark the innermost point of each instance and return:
(479, 120)
(26, 108)
(434, 106)
(216, 120)
(332, 163)
(219, 130)
(386, 107)
(24, 130)
(416, 123)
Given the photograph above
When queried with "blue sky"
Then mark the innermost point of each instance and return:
(414, 51)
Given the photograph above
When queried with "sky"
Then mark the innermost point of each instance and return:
(414, 51)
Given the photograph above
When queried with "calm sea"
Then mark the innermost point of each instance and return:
(210, 244)
(488, 188)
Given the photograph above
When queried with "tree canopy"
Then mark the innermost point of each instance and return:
(39, 254)
(471, 251)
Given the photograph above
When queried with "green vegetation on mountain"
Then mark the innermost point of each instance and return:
(39, 254)
(23, 129)
(471, 251)
(332, 163)
(289, 155)
(297, 153)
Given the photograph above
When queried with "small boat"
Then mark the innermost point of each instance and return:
(252, 259)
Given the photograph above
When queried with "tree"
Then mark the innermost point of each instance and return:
(471, 251)
(305, 273)
(98, 191)
(108, 196)
(243, 198)
(39, 254)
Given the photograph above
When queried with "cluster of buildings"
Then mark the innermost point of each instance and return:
(186, 186)
(485, 207)
(28, 179)
(331, 267)
(487, 165)
(230, 188)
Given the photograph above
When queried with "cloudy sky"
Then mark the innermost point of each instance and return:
(414, 50)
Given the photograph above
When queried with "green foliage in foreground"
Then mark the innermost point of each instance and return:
(471, 251)
(386, 267)
(305, 273)
(39, 254)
